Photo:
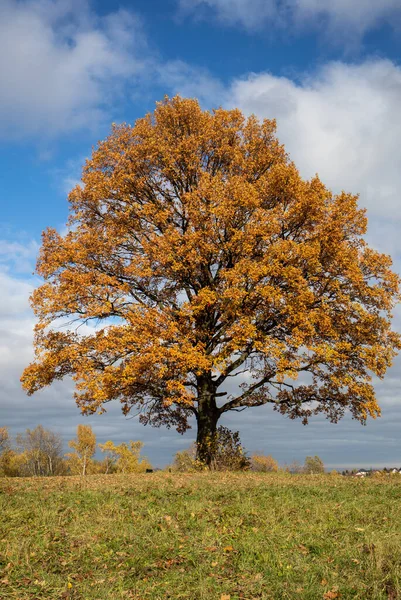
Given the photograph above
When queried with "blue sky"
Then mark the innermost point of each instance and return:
(329, 72)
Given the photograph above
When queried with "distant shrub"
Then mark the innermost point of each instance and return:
(13, 463)
(313, 465)
(295, 467)
(263, 464)
(229, 454)
(186, 461)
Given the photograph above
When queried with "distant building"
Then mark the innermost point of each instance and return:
(362, 473)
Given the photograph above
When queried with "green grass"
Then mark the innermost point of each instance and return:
(160, 536)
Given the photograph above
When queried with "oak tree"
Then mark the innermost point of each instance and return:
(198, 253)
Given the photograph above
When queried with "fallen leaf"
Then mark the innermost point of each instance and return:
(225, 597)
(331, 594)
(228, 549)
(324, 582)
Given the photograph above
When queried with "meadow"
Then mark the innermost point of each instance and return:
(200, 536)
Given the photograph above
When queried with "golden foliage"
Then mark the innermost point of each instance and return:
(262, 463)
(195, 250)
(125, 457)
(85, 447)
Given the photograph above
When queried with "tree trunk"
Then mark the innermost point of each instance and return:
(207, 417)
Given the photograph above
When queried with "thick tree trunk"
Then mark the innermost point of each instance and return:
(207, 417)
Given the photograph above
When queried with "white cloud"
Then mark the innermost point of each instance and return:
(61, 65)
(344, 16)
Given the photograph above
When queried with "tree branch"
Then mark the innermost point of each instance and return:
(238, 402)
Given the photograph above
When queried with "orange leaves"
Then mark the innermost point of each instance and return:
(332, 594)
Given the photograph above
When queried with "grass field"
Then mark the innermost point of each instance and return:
(207, 536)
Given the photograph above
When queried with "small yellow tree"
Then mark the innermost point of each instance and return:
(185, 460)
(13, 464)
(85, 447)
(125, 457)
(264, 464)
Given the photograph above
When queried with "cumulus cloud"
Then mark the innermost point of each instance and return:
(61, 65)
(356, 17)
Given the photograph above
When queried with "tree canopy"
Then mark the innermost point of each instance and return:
(198, 253)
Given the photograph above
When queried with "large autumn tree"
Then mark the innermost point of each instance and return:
(200, 254)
